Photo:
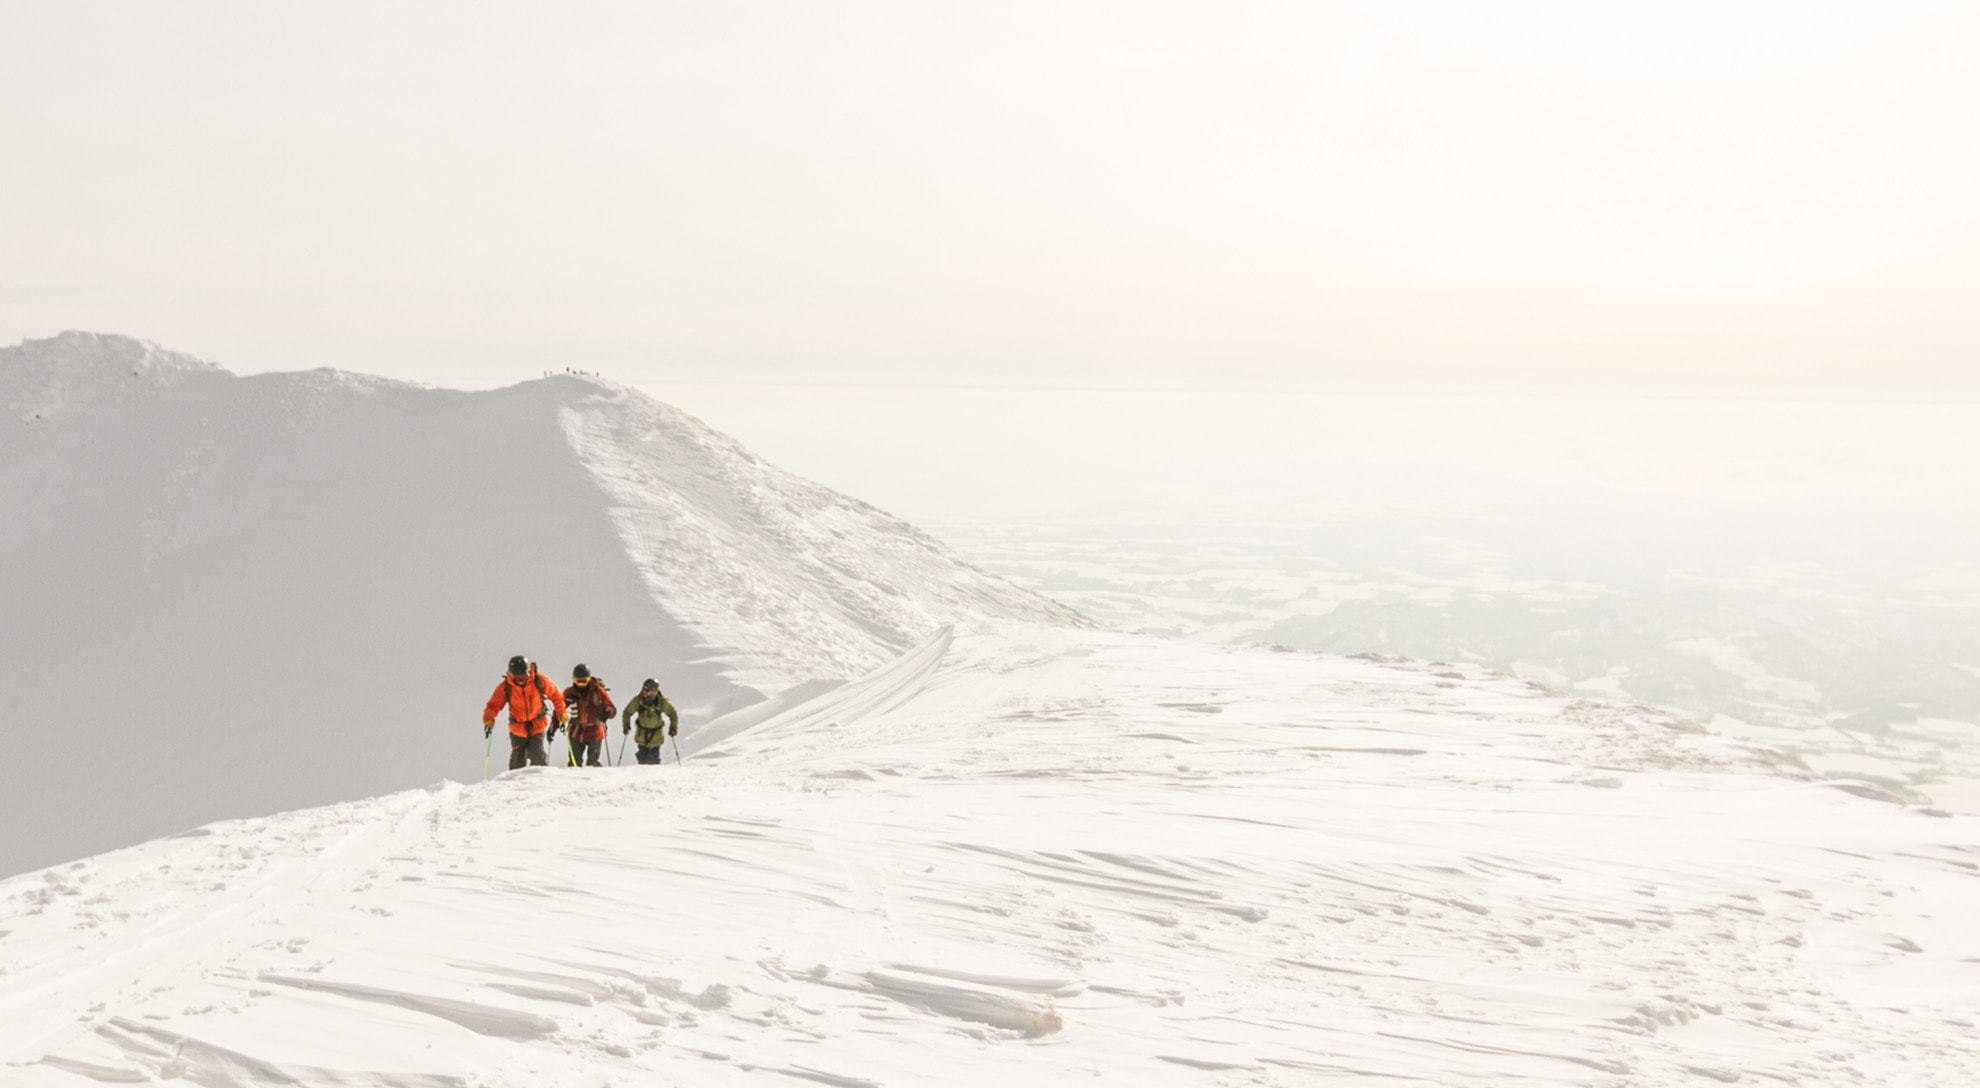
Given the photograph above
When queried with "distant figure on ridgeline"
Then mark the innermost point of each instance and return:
(591, 707)
(649, 709)
(530, 699)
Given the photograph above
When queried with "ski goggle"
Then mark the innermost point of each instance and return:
(581, 681)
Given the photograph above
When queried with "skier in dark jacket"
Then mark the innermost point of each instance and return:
(591, 707)
(648, 710)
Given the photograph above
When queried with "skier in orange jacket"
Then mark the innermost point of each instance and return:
(530, 699)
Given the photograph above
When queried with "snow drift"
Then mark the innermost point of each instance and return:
(238, 595)
(1038, 855)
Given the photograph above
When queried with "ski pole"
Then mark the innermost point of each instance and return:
(677, 751)
(622, 750)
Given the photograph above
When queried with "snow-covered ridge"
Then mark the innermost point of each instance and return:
(1041, 855)
(41, 378)
(707, 523)
(293, 589)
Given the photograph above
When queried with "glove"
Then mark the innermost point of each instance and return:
(554, 726)
(624, 729)
(487, 729)
(674, 730)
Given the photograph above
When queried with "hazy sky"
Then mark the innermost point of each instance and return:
(1750, 194)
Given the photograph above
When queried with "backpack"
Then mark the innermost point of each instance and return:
(598, 698)
(536, 681)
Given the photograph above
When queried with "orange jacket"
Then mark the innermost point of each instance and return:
(528, 714)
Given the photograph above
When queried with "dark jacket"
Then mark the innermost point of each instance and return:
(591, 707)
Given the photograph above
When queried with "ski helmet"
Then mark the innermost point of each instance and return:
(581, 672)
(518, 666)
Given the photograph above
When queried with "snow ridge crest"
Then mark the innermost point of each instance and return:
(40, 379)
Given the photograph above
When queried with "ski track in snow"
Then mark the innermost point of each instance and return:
(1027, 854)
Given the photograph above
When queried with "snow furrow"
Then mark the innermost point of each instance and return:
(1017, 889)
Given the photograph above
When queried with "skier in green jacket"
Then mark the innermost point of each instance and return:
(650, 707)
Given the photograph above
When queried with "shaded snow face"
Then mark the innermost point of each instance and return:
(239, 595)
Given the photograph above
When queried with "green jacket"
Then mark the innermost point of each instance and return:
(651, 728)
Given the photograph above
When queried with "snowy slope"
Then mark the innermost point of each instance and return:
(705, 521)
(1038, 855)
(232, 596)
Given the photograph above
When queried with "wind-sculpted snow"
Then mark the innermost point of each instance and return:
(800, 580)
(1039, 855)
(1867, 663)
